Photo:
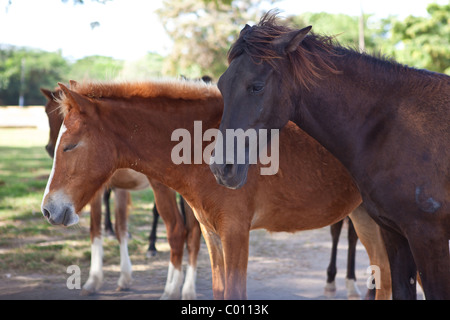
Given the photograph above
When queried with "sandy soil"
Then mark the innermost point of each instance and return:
(282, 266)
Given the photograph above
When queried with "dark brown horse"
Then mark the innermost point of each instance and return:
(108, 126)
(387, 123)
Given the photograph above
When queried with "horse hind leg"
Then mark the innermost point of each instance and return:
(109, 230)
(151, 251)
(369, 234)
(353, 292)
(121, 214)
(330, 287)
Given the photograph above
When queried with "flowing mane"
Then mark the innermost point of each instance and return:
(309, 61)
(172, 89)
(314, 58)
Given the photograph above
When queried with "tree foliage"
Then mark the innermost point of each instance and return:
(422, 42)
(95, 67)
(202, 32)
(23, 71)
(344, 27)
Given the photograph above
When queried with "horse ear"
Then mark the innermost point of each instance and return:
(77, 101)
(47, 93)
(290, 41)
(73, 84)
(244, 29)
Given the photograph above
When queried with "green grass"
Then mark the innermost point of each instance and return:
(28, 243)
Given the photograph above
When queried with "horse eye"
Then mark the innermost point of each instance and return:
(256, 88)
(69, 147)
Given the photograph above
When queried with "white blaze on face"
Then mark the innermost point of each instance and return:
(47, 188)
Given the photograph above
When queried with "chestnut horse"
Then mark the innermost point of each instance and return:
(388, 124)
(55, 120)
(110, 126)
(181, 228)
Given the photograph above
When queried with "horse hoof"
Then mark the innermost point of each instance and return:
(353, 292)
(170, 296)
(86, 293)
(109, 234)
(189, 296)
(329, 293)
(151, 253)
(354, 297)
(330, 290)
(121, 289)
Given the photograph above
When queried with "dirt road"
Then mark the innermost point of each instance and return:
(282, 266)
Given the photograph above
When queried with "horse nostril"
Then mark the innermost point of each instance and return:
(46, 213)
(227, 169)
(50, 150)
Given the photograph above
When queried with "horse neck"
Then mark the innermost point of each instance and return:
(146, 126)
(343, 110)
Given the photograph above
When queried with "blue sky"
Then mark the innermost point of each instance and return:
(129, 28)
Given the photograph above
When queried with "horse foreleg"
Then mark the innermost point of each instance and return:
(330, 287)
(121, 201)
(353, 292)
(193, 247)
(235, 249)
(215, 251)
(166, 202)
(95, 273)
(403, 267)
(432, 256)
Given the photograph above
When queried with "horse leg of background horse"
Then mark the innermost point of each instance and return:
(193, 247)
(121, 201)
(353, 292)
(109, 230)
(215, 251)
(95, 273)
(151, 251)
(330, 288)
(165, 200)
(369, 234)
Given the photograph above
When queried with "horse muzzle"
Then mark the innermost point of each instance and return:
(232, 176)
(59, 213)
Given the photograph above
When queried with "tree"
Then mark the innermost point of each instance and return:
(95, 68)
(202, 32)
(24, 71)
(422, 42)
(148, 67)
(344, 27)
